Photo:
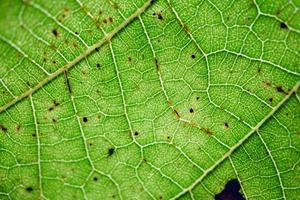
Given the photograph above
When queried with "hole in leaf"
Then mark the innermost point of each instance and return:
(231, 191)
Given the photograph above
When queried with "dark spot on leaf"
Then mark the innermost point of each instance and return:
(159, 16)
(110, 20)
(111, 151)
(45, 59)
(197, 98)
(18, 128)
(98, 65)
(33, 134)
(29, 189)
(136, 133)
(3, 128)
(95, 179)
(191, 110)
(54, 120)
(231, 191)
(153, 1)
(259, 70)
(226, 124)
(76, 33)
(54, 61)
(283, 25)
(84, 119)
(55, 32)
(105, 21)
(271, 99)
(207, 131)
(176, 113)
(193, 56)
(67, 82)
(97, 49)
(129, 59)
(280, 90)
(157, 64)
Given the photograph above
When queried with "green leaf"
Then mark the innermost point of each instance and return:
(149, 99)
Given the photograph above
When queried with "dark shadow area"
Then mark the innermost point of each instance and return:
(231, 191)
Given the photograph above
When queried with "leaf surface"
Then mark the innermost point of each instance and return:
(149, 99)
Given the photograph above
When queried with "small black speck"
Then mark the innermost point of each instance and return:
(271, 99)
(226, 125)
(111, 151)
(95, 179)
(153, 1)
(191, 110)
(136, 133)
(283, 25)
(33, 135)
(98, 65)
(29, 189)
(193, 56)
(84, 119)
(160, 17)
(55, 33)
(97, 49)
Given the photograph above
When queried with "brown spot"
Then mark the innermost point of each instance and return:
(226, 125)
(54, 61)
(186, 29)
(3, 128)
(55, 104)
(281, 90)
(45, 59)
(159, 16)
(84, 119)
(67, 82)
(157, 64)
(197, 98)
(55, 32)
(105, 21)
(207, 131)
(54, 120)
(18, 128)
(129, 59)
(110, 20)
(161, 198)
(176, 113)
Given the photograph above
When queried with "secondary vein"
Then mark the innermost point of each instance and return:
(86, 53)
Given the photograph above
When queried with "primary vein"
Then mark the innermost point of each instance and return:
(238, 144)
(86, 53)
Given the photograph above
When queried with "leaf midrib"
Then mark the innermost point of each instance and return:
(83, 55)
